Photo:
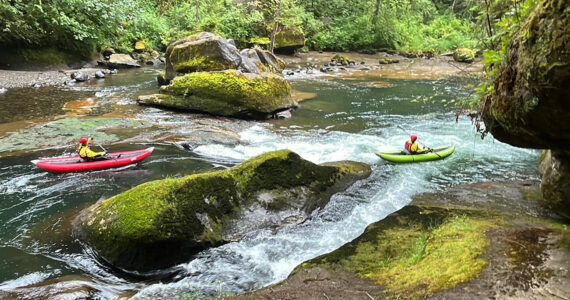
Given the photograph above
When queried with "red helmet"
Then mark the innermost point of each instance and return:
(414, 137)
(83, 140)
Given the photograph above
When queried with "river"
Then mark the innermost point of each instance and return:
(349, 118)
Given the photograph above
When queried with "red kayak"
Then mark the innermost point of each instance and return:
(76, 164)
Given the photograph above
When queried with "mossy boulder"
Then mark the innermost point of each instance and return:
(288, 39)
(164, 222)
(340, 59)
(274, 63)
(200, 52)
(228, 93)
(251, 62)
(464, 55)
(387, 61)
(529, 105)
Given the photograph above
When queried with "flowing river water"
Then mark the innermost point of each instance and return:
(348, 118)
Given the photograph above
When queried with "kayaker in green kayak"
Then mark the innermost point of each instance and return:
(413, 148)
(85, 151)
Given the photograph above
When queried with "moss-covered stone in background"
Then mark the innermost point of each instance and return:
(163, 222)
(464, 55)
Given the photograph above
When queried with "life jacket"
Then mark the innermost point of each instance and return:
(408, 145)
(82, 151)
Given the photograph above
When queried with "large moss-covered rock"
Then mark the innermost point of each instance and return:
(464, 55)
(555, 184)
(164, 222)
(201, 52)
(530, 105)
(227, 93)
(288, 39)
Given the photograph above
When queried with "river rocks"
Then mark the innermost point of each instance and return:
(226, 93)
(79, 76)
(340, 60)
(555, 172)
(161, 223)
(201, 52)
(387, 61)
(99, 74)
(120, 61)
(288, 39)
(464, 55)
(274, 63)
(206, 73)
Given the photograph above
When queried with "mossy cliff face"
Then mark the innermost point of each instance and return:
(161, 223)
(201, 52)
(228, 93)
(530, 105)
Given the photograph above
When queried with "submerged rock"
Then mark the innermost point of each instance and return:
(164, 222)
(226, 93)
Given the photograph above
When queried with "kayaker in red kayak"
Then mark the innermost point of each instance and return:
(413, 147)
(86, 153)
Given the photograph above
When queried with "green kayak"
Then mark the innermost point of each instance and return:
(402, 156)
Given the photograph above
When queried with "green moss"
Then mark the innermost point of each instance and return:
(464, 55)
(340, 59)
(229, 92)
(260, 40)
(384, 61)
(417, 252)
(199, 64)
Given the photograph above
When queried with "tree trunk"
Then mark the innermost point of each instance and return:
(277, 19)
(376, 12)
(489, 20)
(197, 12)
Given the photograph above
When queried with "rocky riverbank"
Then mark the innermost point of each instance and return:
(366, 64)
(478, 241)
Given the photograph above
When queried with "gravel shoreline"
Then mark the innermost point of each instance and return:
(23, 79)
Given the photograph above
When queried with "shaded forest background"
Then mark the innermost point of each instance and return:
(86, 26)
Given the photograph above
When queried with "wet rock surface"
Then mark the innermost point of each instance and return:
(525, 251)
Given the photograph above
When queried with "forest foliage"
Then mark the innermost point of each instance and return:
(85, 26)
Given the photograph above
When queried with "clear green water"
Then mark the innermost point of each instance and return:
(347, 120)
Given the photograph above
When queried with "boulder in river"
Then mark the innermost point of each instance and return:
(120, 61)
(160, 223)
(200, 53)
(226, 93)
(464, 55)
(288, 39)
